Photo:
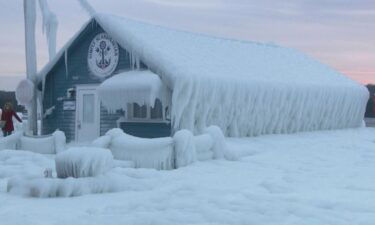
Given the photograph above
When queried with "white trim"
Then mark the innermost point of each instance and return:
(81, 87)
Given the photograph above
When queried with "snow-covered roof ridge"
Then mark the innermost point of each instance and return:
(192, 54)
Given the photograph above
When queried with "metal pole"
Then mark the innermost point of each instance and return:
(31, 66)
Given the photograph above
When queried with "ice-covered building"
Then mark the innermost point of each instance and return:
(151, 81)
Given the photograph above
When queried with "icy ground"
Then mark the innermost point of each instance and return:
(311, 178)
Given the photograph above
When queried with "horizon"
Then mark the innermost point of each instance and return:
(336, 33)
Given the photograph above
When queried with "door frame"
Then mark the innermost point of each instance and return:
(87, 87)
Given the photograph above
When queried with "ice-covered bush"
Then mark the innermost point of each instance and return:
(10, 142)
(102, 142)
(184, 147)
(42, 145)
(154, 153)
(69, 187)
(83, 162)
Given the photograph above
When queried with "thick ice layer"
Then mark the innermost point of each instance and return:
(219, 147)
(184, 147)
(142, 87)
(60, 141)
(145, 153)
(42, 145)
(245, 88)
(83, 162)
(10, 142)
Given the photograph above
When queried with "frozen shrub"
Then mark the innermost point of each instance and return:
(83, 162)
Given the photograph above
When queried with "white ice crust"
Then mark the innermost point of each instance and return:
(83, 162)
(245, 88)
(142, 87)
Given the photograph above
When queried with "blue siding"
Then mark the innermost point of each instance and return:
(58, 81)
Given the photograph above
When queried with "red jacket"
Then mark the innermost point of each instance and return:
(7, 116)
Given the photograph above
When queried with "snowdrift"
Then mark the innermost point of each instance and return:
(245, 88)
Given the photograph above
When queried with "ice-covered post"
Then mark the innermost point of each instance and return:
(30, 50)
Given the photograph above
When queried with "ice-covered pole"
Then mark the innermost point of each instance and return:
(31, 66)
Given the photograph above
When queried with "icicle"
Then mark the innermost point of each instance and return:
(87, 7)
(50, 25)
(66, 63)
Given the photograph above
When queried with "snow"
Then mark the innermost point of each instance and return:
(306, 179)
(142, 87)
(245, 88)
(83, 162)
(25, 92)
(50, 24)
(184, 146)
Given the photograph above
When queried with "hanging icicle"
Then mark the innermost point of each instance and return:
(66, 63)
(87, 7)
(50, 24)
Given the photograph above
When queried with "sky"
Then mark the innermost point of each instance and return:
(339, 33)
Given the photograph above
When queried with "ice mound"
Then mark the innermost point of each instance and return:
(83, 162)
(219, 145)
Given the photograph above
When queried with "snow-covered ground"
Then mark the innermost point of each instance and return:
(307, 178)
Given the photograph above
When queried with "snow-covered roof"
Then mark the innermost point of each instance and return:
(246, 88)
(142, 87)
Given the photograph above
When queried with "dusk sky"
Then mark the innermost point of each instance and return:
(340, 33)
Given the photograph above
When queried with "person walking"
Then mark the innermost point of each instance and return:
(7, 118)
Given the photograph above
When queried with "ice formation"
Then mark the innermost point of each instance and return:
(83, 162)
(60, 141)
(219, 144)
(25, 92)
(11, 141)
(184, 148)
(42, 145)
(245, 88)
(145, 153)
(50, 25)
(87, 7)
(142, 87)
(69, 187)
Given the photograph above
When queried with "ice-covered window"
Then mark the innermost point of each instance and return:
(144, 112)
(157, 111)
(139, 111)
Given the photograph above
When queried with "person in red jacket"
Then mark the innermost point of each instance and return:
(7, 116)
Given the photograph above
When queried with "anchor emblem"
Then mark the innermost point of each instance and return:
(103, 50)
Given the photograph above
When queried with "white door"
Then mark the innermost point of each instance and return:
(87, 114)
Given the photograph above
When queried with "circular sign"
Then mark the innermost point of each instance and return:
(103, 55)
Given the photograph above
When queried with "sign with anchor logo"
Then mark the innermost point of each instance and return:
(103, 55)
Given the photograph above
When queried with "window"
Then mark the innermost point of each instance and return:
(144, 112)
(139, 111)
(157, 111)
